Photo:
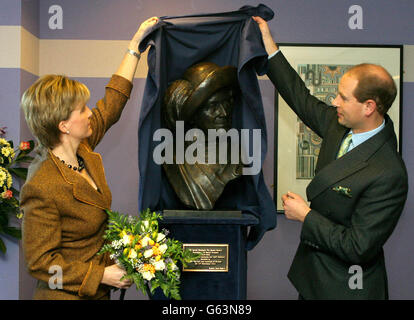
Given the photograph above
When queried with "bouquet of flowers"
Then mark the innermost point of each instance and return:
(150, 258)
(9, 203)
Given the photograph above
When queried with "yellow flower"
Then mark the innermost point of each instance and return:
(3, 176)
(156, 251)
(20, 214)
(9, 181)
(7, 152)
(148, 267)
(5, 179)
(132, 254)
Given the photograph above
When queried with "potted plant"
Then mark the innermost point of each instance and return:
(10, 168)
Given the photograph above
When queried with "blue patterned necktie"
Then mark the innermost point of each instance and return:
(345, 145)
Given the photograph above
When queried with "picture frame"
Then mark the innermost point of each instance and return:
(321, 66)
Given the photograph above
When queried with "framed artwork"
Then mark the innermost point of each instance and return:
(321, 67)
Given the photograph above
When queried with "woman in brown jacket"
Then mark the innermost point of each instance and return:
(66, 194)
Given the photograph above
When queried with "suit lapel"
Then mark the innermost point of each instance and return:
(335, 170)
(331, 146)
(82, 190)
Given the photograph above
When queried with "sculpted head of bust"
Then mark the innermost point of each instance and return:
(203, 98)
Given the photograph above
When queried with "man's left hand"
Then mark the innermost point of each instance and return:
(295, 207)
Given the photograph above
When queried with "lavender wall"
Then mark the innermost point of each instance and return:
(296, 21)
(317, 21)
(10, 13)
(9, 98)
(398, 249)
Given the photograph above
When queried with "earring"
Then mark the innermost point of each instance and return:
(67, 132)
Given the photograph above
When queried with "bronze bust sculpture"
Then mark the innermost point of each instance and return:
(202, 99)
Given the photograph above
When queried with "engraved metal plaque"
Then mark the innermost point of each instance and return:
(214, 257)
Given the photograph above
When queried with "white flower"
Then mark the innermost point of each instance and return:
(145, 225)
(163, 248)
(159, 265)
(116, 244)
(113, 256)
(160, 237)
(145, 240)
(126, 240)
(172, 266)
(148, 253)
(131, 219)
(147, 275)
(132, 254)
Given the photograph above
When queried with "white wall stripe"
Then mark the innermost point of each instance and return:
(20, 49)
(29, 52)
(85, 58)
(10, 51)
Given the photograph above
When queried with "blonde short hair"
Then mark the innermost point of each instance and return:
(48, 101)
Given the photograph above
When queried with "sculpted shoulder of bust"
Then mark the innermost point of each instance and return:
(203, 99)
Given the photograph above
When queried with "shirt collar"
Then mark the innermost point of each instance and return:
(358, 138)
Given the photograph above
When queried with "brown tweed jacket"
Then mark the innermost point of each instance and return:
(64, 218)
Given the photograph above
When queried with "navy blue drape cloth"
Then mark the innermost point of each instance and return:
(230, 38)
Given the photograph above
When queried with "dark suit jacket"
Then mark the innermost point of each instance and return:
(64, 216)
(342, 229)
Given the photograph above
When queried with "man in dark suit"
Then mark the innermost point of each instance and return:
(360, 184)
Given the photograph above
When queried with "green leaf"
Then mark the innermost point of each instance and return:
(14, 232)
(4, 219)
(2, 246)
(19, 172)
(23, 158)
